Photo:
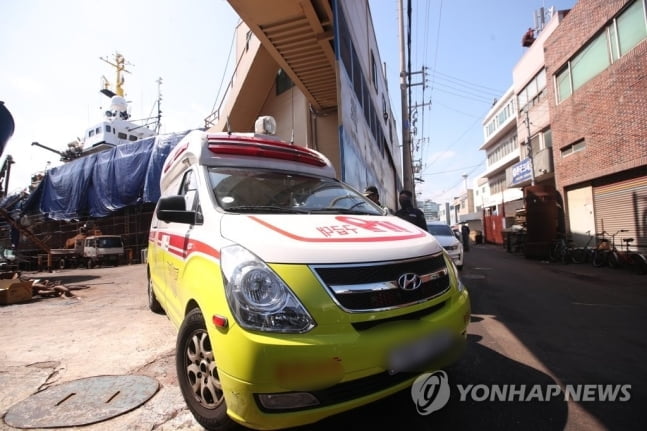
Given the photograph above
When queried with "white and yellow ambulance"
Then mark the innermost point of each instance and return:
(295, 298)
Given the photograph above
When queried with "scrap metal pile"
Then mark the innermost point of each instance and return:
(43, 287)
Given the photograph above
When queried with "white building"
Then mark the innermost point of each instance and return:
(315, 66)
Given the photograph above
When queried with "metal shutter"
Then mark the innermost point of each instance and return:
(623, 205)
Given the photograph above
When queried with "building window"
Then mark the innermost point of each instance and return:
(373, 71)
(563, 84)
(507, 146)
(631, 27)
(497, 184)
(548, 139)
(533, 92)
(534, 144)
(620, 36)
(385, 113)
(573, 148)
(359, 79)
(248, 38)
(499, 120)
(283, 82)
(590, 62)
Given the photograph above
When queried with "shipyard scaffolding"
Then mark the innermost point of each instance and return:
(112, 191)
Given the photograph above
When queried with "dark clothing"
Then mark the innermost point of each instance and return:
(465, 233)
(413, 215)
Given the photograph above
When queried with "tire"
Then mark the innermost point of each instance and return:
(153, 303)
(613, 259)
(578, 255)
(89, 264)
(599, 258)
(553, 252)
(638, 264)
(198, 375)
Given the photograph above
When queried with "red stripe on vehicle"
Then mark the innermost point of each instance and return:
(182, 247)
(418, 234)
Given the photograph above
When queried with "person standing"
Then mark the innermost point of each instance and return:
(465, 233)
(372, 193)
(410, 213)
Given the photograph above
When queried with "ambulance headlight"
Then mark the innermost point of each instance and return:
(258, 298)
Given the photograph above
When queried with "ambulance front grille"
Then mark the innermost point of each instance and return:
(379, 286)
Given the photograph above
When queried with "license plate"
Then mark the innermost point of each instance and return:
(414, 355)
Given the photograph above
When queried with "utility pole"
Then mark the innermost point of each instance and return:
(529, 148)
(407, 165)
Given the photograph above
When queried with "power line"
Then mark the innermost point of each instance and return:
(454, 142)
(456, 110)
(472, 84)
(462, 93)
(451, 170)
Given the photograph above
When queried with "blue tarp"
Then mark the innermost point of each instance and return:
(100, 183)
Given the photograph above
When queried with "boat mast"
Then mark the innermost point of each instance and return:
(158, 126)
(120, 66)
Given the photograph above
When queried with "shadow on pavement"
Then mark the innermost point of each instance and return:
(584, 324)
(479, 366)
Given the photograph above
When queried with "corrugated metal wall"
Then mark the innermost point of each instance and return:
(623, 205)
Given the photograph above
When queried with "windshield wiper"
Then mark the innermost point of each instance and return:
(333, 210)
(266, 209)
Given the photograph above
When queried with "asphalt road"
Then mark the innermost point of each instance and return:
(535, 327)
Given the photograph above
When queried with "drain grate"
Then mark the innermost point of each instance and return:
(82, 402)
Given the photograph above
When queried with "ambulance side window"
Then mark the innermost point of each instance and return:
(189, 190)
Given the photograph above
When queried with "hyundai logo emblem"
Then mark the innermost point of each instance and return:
(409, 281)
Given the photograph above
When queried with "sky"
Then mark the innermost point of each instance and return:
(469, 49)
(51, 72)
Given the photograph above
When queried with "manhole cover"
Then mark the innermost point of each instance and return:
(82, 402)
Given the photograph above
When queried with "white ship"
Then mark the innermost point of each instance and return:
(117, 127)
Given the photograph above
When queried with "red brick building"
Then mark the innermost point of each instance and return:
(596, 63)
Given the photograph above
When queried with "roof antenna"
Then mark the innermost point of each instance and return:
(228, 126)
(292, 107)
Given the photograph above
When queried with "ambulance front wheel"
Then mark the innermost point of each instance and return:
(198, 375)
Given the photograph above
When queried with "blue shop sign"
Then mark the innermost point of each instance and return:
(522, 171)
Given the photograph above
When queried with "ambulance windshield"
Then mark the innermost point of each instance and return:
(270, 191)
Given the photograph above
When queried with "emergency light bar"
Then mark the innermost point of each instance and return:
(254, 147)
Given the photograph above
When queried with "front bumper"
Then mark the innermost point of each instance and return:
(333, 368)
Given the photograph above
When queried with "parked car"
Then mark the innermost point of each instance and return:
(295, 296)
(449, 239)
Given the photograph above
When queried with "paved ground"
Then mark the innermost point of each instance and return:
(532, 321)
(105, 329)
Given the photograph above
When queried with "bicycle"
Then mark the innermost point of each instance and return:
(600, 256)
(627, 258)
(583, 254)
(560, 251)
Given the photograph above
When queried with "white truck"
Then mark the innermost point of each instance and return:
(90, 251)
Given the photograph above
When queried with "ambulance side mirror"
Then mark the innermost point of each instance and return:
(171, 209)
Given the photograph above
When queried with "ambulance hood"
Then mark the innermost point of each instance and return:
(330, 238)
